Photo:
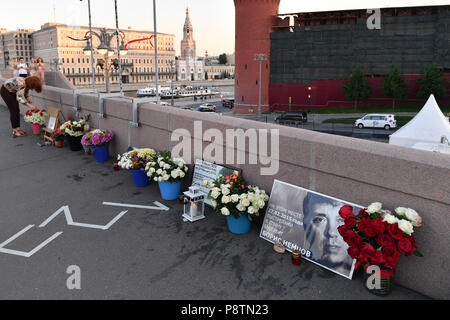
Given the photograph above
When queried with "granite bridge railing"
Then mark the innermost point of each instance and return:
(357, 171)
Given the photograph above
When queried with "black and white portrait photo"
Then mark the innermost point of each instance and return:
(307, 221)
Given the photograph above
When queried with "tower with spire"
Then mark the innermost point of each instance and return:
(188, 49)
(188, 67)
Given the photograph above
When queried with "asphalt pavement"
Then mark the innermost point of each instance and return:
(53, 219)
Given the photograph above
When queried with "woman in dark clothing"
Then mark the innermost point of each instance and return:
(15, 91)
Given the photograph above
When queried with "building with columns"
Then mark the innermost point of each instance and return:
(189, 68)
(51, 43)
(13, 46)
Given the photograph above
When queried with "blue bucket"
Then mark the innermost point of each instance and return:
(101, 154)
(239, 226)
(170, 190)
(140, 178)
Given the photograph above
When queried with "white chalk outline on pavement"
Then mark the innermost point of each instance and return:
(70, 221)
(159, 206)
(23, 253)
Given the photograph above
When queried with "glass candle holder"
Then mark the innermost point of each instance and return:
(296, 258)
(116, 166)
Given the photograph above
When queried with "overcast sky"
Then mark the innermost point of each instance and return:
(213, 20)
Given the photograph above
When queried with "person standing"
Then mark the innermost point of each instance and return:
(33, 66)
(15, 91)
(14, 67)
(23, 68)
(40, 70)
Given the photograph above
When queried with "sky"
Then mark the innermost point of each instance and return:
(212, 20)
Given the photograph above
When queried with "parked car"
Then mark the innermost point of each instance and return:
(289, 117)
(386, 121)
(229, 103)
(206, 108)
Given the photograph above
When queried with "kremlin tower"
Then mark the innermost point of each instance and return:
(254, 21)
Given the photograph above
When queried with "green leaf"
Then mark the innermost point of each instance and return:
(418, 254)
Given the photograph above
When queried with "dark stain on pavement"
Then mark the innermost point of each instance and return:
(76, 177)
(238, 268)
(112, 187)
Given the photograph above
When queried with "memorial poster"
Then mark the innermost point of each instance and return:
(307, 221)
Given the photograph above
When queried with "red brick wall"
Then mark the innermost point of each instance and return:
(328, 93)
(254, 21)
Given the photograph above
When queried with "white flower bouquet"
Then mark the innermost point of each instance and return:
(232, 196)
(166, 168)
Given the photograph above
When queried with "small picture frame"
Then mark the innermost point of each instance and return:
(54, 116)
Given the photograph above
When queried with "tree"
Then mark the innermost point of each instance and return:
(432, 82)
(223, 59)
(395, 86)
(356, 88)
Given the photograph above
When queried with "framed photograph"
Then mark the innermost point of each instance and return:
(208, 171)
(307, 221)
(51, 123)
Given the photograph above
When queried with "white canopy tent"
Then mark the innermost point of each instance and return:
(425, 130)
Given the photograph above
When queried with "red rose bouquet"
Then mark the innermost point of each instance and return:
(378, 237)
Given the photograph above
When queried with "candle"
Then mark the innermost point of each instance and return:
(193, 210)
(116, 166)
(296, 257)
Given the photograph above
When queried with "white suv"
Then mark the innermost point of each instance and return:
(386, 121)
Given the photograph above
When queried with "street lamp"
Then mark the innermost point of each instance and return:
(105, 50)
(156, 52)
(172, 66)
(260, 57)
(91, 50)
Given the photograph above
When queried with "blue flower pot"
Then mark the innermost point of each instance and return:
(170, 190)
(101, 154)
(239, 226)
(140, 178)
